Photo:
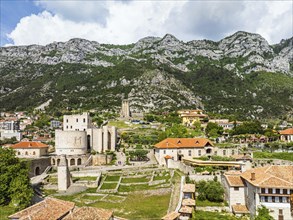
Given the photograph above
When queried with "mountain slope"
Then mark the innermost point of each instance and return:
(241, 74)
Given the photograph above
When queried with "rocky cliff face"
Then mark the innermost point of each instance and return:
(166, 66)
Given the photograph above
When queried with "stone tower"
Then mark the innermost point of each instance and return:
(125, 110)
(64, 179)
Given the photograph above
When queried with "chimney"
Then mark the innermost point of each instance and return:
(252, 176)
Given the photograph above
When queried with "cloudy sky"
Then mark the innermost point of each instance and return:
(26, 22)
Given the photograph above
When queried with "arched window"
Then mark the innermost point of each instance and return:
(34, 153)
(18, 153)
(78, 161)
(58, 161)
(26, 153)
(53, 161)
(72, 162)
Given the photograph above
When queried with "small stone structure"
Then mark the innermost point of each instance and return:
(125, 110)
(64, 179)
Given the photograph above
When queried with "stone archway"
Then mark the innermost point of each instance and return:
(72, 162)
(37, 171)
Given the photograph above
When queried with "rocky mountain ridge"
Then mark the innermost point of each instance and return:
(154, 73)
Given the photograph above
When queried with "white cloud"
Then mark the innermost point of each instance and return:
(120, 22)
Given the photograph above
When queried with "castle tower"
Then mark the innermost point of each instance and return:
(125, 110)
(64, 179)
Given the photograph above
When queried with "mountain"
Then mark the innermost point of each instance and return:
(241, 74)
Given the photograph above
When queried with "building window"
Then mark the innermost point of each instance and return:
(224, 152)
(34, 153)
(270, 191)
(262, 198)
(281, 199)
(189, 152)
(67, 126)
(199, 152)
(164, 151)
(285, 191)
(266, 199)
(277, 191)
(273, 199)
(26, 153)
(77, 120)
(84, 120)
(179, 151)
(18, 153)
(280, 211)
(70, 126)
(216, 152)
(233, 152)
(67, 120)
(263, 190)
(236, 188)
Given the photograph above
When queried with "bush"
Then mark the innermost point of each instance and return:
(210, 190)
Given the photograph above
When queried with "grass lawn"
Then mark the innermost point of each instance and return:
(5, 211)
(114, 198)
(91, 197)
(112, 178)
(134, 188)
(268, 155)
(208, 203)
(52, 180)
(162, 177)
(109, 186)
(135, 180)
(137, 206)
(203, 215)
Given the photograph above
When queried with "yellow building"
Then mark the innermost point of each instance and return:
(191, 116)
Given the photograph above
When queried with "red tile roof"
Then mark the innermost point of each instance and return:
(240, 209)
(275, 176)
(89, 213)
(49, 209)
(184, 143)
(287, 131)
(29, 144)
(234, 180)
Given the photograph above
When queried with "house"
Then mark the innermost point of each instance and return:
(189, 117)
(287, 135)
(188, 191)
(30, 149)
(177, 148)
(270, 186)
(225, 123)
(49, 209)
(90, 213)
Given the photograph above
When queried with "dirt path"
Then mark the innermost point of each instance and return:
(175, 194)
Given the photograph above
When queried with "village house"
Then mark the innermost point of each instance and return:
(225, 123)
(189, 117)
(188, 148)
(287, 135)
(30, 149)
(270, 186)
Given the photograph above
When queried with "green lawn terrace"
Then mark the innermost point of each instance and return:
(132, 194)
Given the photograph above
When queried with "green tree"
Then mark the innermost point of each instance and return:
(263, 214)
(15, 188)
(252, 127)
(213, 130)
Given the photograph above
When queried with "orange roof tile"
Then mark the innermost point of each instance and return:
(186, 209)
(287, 131)
(234, 180)
(184, 143)
(189, 188)
(188, 202)
(29, 144)
(49, 209)
(171, 216)
(168, 157)
(89, 213)
(240, 209)
(275, 176)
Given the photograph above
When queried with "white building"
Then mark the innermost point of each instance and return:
(30, 149)
(79, 137)
(10, 129)
(189, 148)
(287, 135)
(270, 186)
